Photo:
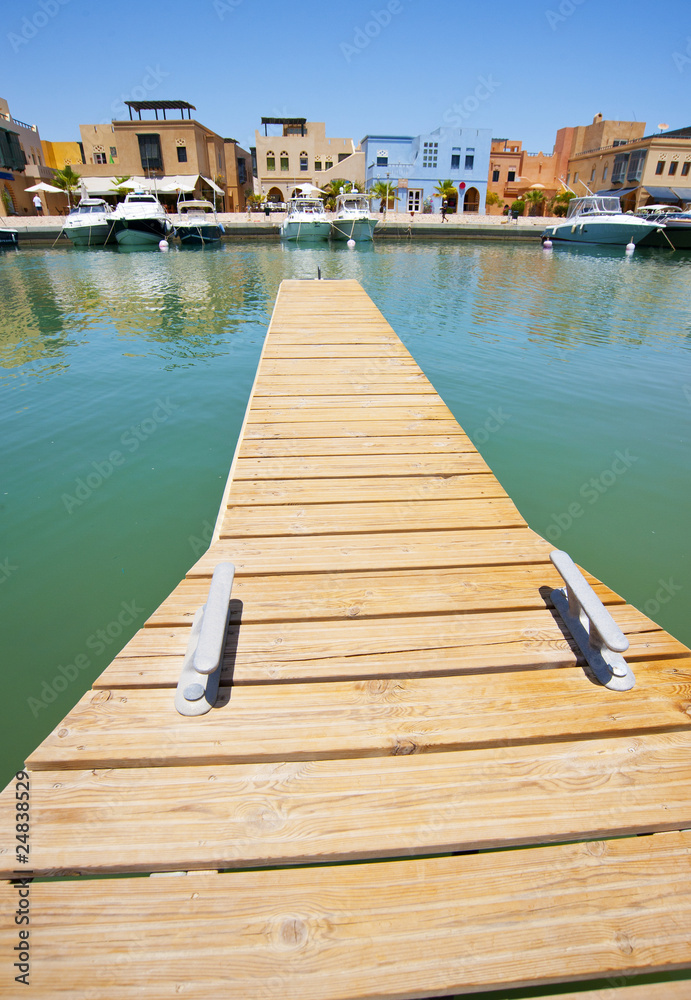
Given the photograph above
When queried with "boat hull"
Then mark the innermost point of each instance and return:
(600, 230)
(141, 232)
(305, 231)
(9, 238)
(91, 236)
(678, 235)
(359, 230)
(198, 235)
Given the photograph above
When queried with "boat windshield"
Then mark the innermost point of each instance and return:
(148, 198)
(594, 206)
(308, 205)
(354, 203)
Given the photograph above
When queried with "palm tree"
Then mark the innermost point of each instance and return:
(67, 181)
(536, 200)
(332, 190)
(560, 202)
(121, 186)
(386, 192)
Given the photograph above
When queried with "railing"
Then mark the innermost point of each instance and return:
(15, 121)
(597, 635)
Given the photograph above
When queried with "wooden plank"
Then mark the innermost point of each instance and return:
(364, 489)
(333, 518)
(385, 550)
(356, 446)
(342, 466)
(668, 990)
(405, 929)
(349, 426)
(323, 596)
(376, 415)
(293, 812)
(318, 385)
(261, 404)
(379, 717)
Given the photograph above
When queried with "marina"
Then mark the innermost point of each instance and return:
(396, 684)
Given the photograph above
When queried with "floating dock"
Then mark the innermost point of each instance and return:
(411, 785)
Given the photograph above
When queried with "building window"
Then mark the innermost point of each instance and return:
(511, 176)
(592, 174)
(495, 176)
(455, 157)
(604, 173)
(270, 161)
(660, 167)
(430, 151)
(568, 178)
(99, 157)
(113, 153)
(469, 161)
(150, 151)
(317, 164)
(685, 169)
(285, 164)
(342, 157)
(635, 171)
(242, 170)
(673, 167)
(304, 162)
(382, 161)
(182, 154)
(619, 142)
(621, 163)
(329, 163)
(575, 177)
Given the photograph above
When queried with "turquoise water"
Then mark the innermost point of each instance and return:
(124, 379)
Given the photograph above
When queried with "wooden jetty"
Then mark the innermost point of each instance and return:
(410, 785)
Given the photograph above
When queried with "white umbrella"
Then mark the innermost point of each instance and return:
(538, 187)
(42, 186)
(308, 189)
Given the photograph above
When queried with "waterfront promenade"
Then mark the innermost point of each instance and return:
(397, 692)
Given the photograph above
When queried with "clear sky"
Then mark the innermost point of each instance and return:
(522, 70)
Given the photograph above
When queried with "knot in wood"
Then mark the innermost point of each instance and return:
(404, 747)
(354, 611)
(293, 932)
(623, 942)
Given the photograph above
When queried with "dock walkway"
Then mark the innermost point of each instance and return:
(398, 694)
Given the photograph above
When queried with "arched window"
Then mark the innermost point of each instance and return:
(270, 160)
(304, 161)
(275, 194)
(285, 165)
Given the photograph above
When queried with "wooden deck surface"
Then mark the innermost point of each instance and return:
(397, 694)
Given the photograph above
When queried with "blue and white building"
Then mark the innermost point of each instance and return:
(416, 164)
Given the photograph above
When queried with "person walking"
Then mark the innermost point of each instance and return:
(38, 205)
(444, 207)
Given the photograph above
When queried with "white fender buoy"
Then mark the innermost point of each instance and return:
(630, 247)
(351, 244)
(163, 245)
(547, 245)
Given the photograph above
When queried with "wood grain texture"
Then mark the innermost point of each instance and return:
(404, 929)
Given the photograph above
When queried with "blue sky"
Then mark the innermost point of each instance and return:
(390, 66)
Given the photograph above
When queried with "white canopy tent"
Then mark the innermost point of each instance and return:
(170, 184)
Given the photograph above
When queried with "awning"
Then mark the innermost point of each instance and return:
(169, 184)
(662, 194)
(684, 194)
(213, 186)
(616, 191)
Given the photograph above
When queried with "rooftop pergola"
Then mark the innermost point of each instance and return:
(284, 121)
(163, 106)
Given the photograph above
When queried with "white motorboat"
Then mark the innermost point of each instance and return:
(306, 220)
(8, 237)
(599, 219)
(140, 220)
(353, 220)
(90, 224)
(673, 227)
(197, 223)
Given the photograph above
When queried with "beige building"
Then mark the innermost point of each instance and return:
(303, 154)
(513, 171)
(58, 155)
(22, 165)
(165, 154)
(641, 170)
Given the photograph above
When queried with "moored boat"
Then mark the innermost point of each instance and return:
(306, 220)
(140, 220)
(91, 223)
(352, 220)
(599, 219)
(674, 227)
(197, 224)
(8, 237)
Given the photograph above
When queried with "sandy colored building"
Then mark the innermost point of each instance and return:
(513, 171)
(166, 151)
(642, 170)
(303, 154)
(22, 165)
